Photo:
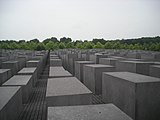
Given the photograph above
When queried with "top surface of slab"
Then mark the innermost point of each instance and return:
(59, 73)
(108, 58)
(4, 70)
(157, 66)
(65, 86)
(28, 70)
(87, 112)
(81, 62)
(133, 77)
(58, 68)
(138, 62)
(11, 62)
(98, 65)
(33, 61)
(6, 93)
(18, 80)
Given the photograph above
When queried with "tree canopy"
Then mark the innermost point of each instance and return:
(144, 43)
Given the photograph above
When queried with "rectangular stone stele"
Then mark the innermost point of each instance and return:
(133, 93)
(27, 71)
(134, 66)
(108, 61)
(87, 112)
(155, 71)
(25, 81)
(67, 91)
(10, 103)
(5, 74)
(55, 62)
(30, 71)
(13, 65)
(32, 63)
(93, 76)
(79, 68)
(56, 72)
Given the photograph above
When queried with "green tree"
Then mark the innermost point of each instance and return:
(62, 45)
(98, 45)
(40, 47)
(52, 39)
(88, 45)
(35, 40)
(65, 40)
(108, 45)
(79, 45)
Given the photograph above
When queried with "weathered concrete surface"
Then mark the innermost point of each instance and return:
(67, 91)
(97, 56)
(32, 63)
(93, 76)
(30, 71)
(79, 68)
(55, 62)
(10, 103)
(134, 66)
(5, 74)
(155, 71)
(25, 81)
(13, 65)
(137, 95)
(87, 112)
(56, 72)
(108, 61)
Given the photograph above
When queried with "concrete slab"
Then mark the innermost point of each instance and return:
(55, 62)
(32, 63)
(30, 71)
(56, 72)
(87, 112)
(10, 103)
(2, 59)
(79, 68)
(155, 71)
(25, 81)
(137, 95)
(13, 65)
(67, 91)
(134, 66)
(93, 76)
(5, 74)
(97, 56)
(108, 61)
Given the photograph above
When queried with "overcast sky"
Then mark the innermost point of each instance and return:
(79, 19)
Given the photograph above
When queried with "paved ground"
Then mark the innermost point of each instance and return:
(36, 108)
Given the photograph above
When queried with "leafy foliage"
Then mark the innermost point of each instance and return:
(149, 43)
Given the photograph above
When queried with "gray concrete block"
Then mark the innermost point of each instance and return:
(79, 68)
(108, 61)
(13, 65)
(25, 81)
(54, 57)
(97, 56)
(10, 103)
(93, 76)
(87, 112)
(137, 95)
(55, 62)
(155, 71)
(67, 91)
(134, 66)
(30, 71)
(56, 72)
(32, 63)
(2, 59)
(5, 74)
